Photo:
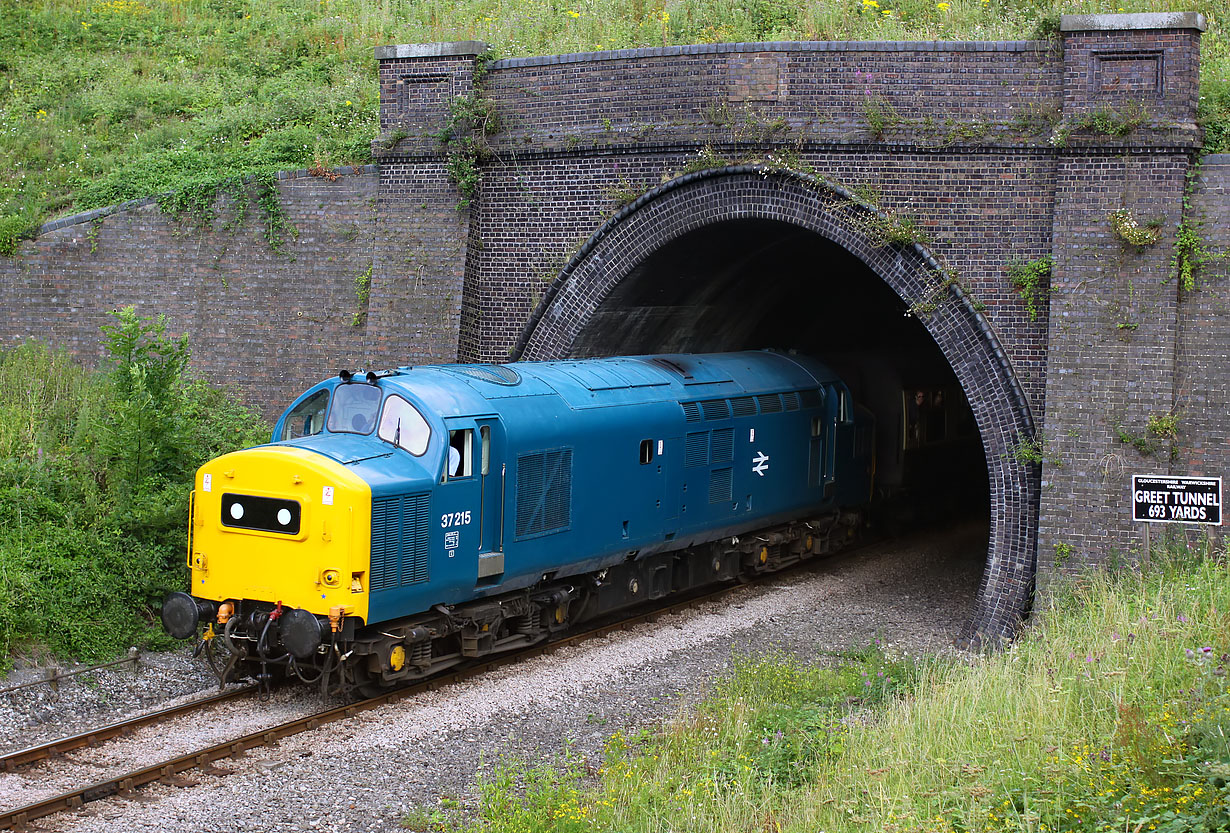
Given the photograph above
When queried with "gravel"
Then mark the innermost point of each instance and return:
(366, 773)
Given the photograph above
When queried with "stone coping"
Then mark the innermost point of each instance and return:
(456, 49)
(98, 213)
(1122, 22)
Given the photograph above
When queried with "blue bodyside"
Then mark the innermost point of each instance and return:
(593, 461)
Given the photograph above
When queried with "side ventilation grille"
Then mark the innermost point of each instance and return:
(720, 485)
(544, 492)
(399, 541)
(770, 403)
(691, 412)
(696, 449)
(722, 446)
(715, 409)
(743, 406)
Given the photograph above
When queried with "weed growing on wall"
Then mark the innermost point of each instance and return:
(1031, 279)
(1127, 228)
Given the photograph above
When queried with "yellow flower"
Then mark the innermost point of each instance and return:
(348, 103)
(42, 114)
(85, 25)
(573, 15)
(870, 4)
(943, 6)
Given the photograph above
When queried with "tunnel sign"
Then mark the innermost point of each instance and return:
(1160, 498)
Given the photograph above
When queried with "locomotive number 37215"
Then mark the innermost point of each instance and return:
(454, 519)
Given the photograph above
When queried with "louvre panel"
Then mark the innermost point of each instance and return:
(720, 484)
(544, 492)
(691, 412)
(399, 541)
(791, 400)
(812, 398)
(385, 543)
(696, 449)
(721, 447)
(414, 532)
(743, 406)
(715, 409)
(770, 403)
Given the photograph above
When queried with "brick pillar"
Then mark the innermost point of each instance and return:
(1127, 141)
(422, 237)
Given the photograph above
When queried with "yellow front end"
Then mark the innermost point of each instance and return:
(322, 566)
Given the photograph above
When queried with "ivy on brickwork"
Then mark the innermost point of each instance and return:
(1030, 279)
(472, 118)
(196, 202)
(363, 293)
(1191, 251)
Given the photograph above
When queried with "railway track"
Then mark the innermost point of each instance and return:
(164, 771)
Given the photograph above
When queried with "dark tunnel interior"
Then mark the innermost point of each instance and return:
(751, 284)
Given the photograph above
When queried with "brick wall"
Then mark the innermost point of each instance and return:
(268, 324)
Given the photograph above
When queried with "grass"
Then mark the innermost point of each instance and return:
(109, 100)
(1110, 713)
(95, 471)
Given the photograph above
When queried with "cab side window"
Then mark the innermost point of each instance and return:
(460, 454)
(307, 418)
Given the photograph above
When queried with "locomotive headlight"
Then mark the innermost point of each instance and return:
(330, 578)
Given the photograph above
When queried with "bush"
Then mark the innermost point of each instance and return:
(95, 472)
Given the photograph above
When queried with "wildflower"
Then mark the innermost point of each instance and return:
(573, 15)
(870, 4)
(348, 104)
(85, 25)
(943, 6)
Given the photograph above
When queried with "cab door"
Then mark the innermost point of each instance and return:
(471, 502)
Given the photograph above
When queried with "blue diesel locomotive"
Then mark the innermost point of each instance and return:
(405, 521)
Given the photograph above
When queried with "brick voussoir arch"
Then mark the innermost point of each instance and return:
(962, 333)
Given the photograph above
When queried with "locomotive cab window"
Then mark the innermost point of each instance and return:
(402, 425)
(460, 454)
(307, 418)
(646, 451)
(845, 415)
(354, 409)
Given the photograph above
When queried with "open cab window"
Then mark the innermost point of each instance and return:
(460, 454)
(402, 425)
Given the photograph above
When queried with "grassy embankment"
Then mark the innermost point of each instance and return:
(1111, 713)
(109, 100)
(95, 471)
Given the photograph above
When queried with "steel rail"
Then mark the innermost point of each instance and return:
(24, 757)
(18, 818)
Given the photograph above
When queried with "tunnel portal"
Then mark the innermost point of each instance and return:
(708, 264)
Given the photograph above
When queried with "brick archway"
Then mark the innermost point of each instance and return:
(963, 334)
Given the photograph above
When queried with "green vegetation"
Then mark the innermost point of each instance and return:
(110, 100)
(95, 472)
(1110, 713)
(1031, 279)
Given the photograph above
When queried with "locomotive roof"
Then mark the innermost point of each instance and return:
(588, 383)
